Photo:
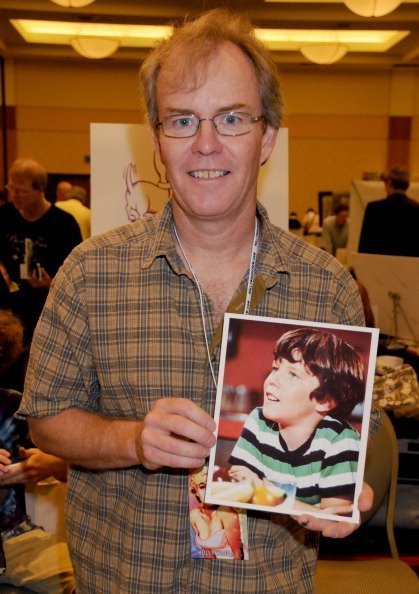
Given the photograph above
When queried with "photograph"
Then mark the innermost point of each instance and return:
(292, 412)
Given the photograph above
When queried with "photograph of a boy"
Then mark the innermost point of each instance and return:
(301, 434)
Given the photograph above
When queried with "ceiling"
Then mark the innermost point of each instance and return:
(332, 15)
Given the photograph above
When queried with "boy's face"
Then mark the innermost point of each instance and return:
(287, 392)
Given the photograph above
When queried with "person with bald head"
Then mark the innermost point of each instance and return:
(35, 238)
(61, 190)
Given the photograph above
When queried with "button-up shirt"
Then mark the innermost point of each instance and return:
(122, 328)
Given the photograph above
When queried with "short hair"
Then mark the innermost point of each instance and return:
(11, 339)
(77, 193)
(332, 361)
(195, 42)
(30, 169)
(398, 177)
(341, 208)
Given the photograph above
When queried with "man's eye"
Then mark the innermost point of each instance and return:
(231, 119)
(183, 122)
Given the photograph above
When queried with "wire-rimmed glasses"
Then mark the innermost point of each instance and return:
(227, 123)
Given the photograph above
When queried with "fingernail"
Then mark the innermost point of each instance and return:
(211, 425)
(211, 441)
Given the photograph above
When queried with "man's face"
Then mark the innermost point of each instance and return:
(21, 192)
(342, 217)
(286, 393)
(214, 176)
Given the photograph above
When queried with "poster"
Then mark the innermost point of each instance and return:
(292, 412)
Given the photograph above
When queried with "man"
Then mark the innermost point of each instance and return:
(61, 190)
(74, 202)
(35, 239)
(335, 230)
(30, 556)
(390, 225)
(130, 338)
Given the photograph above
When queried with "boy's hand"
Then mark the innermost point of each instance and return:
(242, 473)
(334, 529)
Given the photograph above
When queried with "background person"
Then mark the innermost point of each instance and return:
(121, 381)
(336, 230)
(61, 190)
(74, 202)
(35, 239)
(390, 226)
(32, 557)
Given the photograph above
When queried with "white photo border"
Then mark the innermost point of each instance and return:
(373, 334)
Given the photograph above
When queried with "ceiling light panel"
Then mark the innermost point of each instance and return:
(59, 32)
(357, 41)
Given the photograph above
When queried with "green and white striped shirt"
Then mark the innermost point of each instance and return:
(324, 466)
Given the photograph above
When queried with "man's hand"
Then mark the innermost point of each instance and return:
(4, 460)
(334, 529)
(177, 433)
(35, 467)
(40, 279)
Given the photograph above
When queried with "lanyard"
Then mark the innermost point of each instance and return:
(252, 269)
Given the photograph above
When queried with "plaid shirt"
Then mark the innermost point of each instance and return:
(122, 328)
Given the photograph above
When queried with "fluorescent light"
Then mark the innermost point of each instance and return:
(358, 41)
(59, 32)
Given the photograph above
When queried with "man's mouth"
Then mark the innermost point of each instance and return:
(271, 398)
(208, 174)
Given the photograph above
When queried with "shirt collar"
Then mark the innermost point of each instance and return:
(272, 258)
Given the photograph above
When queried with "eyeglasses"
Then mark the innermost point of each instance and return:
(229, 123)
(11, 189)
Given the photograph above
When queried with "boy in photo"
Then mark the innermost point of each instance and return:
(301, 434)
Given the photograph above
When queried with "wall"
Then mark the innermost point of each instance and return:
(338, 120)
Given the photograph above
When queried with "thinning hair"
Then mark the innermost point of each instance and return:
(25, 168)
(332, 361)
(190, 49)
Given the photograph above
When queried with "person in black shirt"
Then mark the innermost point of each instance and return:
(390, 225)
(35, 239)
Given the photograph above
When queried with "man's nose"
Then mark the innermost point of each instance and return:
(207, 140)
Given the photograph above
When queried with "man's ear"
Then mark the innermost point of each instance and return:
(156, 141)
(326, 405)
(268, 143)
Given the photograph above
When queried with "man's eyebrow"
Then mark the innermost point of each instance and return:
(169, 111)
(182, 111)
(233, 107)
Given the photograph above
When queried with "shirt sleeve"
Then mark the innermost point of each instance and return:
(61, 371)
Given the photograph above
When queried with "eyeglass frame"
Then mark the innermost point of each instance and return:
(11, 189)
(252, 120)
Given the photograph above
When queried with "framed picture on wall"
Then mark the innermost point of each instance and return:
(300, 445)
